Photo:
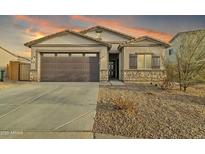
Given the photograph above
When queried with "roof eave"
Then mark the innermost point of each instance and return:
(17, 56)
(129, 45)
(102, 42)
(27, 45)
(31, 43)
(106, 28)
(173, 38)
(184, 32)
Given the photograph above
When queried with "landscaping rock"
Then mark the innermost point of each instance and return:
(151, 112)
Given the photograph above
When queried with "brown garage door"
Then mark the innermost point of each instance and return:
(73, 68)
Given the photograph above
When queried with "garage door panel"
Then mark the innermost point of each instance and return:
(72, 77)
(48, 59)
(76, 69)
(93, 60)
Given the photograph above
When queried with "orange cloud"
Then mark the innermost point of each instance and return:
(46, 27)
(122, 27)
(44, 24)
(34, 34)
(99, 21)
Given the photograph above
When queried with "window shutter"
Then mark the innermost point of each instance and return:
(156, 62)
(133, 61)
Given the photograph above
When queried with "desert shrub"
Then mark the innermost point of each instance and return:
(123, 102)
(171, 76)
(119, 100)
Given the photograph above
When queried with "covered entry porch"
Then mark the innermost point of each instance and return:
(114, 66)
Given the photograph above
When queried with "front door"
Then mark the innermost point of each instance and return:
(113, 66)
(112, 69)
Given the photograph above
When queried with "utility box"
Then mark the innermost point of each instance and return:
(2, 75)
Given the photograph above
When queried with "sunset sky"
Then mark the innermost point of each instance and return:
(17, 30)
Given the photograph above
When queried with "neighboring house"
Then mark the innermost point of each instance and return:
(174, 43)
(7, 56)
(96, 54)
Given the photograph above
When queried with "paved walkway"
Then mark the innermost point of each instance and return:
(112, 83)
(48, 110)
(116, 83)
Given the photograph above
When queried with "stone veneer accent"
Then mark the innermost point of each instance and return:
(143, 75)
(33, 75)
(103, 75)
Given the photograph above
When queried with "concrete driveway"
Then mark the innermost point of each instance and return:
(48, 110)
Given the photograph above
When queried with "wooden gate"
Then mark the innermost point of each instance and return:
(24, 72)
(18, 71)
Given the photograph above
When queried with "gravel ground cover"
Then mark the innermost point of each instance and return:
(145, 111)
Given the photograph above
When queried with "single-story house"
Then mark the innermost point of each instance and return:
(96, 54)
(7, 56)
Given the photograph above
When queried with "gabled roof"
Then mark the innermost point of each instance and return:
(29, 44)
(188, 32)
(11, 53)
(139, 39)
(108, 29)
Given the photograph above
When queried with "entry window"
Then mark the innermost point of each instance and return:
(144, 61)
(76, 55)
(90, 55)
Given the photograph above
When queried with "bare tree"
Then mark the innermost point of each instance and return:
(171, 74)
(190, 56)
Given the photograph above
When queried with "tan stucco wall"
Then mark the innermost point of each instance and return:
(68, 39)
(136, 75)
(107, 36)
(5, 58)
(159, 51)
(145, 42)
(103, 58)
